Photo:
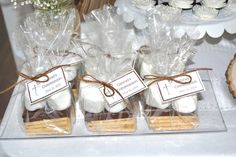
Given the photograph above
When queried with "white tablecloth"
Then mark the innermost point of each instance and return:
(215, 54)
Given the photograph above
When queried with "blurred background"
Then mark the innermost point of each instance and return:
(7, 65)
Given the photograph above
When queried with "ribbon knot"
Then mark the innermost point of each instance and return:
(156, 78)
(35, 78)
(105, 86)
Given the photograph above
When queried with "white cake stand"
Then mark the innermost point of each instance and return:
(196, 28)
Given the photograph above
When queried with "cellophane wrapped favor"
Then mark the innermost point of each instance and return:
(165, 55)
(53, 60)
(52, 12)
(109, 56)
(50, 29)
(161, 22)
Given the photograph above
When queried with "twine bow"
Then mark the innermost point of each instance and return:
(105, 86)
(34, 78)
(156, 78)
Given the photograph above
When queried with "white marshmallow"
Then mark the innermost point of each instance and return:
(204, 12)
(169, 13)
(116, 108)
(61, 100)
(214, 3)
(231, 5)
(153, 97)
(33, 107)
(143, 4)
(146, 69)
(186, 104)
(71, 71)
(184, 4)
(91, 97)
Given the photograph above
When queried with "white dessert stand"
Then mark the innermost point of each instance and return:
(189, 23)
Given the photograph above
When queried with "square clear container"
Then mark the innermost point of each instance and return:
(207, 117)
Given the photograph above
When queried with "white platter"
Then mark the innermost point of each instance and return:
(189, 23)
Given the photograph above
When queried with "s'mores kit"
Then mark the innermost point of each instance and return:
(109, 78)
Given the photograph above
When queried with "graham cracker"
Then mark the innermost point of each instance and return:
(59, 126)
(171, 123)
(127, 125)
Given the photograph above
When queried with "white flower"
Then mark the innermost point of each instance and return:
(143, 4)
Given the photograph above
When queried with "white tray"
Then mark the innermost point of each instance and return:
(210, 118)
(190, 24)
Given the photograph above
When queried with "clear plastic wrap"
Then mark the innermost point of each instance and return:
(53, 114)
(49, 18)
(109, 57)
(160, 31)
(49, 29)
(53, 62)
(48, 44)
(166, 56)
(108, 31)
(99, 116)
